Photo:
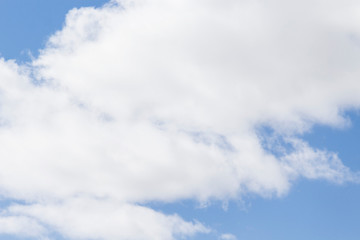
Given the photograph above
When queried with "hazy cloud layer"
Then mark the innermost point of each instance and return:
(154, 100)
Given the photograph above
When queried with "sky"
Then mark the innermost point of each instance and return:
(166, 120)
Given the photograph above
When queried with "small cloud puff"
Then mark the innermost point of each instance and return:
(227, 236)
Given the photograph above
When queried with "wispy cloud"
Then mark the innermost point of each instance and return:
(228, 236)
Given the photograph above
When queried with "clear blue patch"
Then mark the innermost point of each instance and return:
(26, 25)
(314, 210)
(344, 142)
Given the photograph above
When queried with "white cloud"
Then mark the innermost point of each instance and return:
(228, 236)
(312, 164)
(83, 218)
(162, 100)
(21, 226)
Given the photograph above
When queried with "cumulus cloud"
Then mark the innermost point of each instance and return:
(21, 226)
(99, 219)
(154, 100)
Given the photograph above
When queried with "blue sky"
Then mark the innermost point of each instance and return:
(26, 25)
(310, 207)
